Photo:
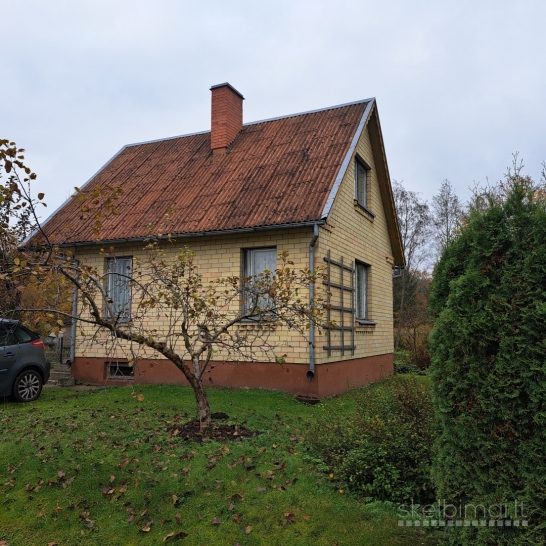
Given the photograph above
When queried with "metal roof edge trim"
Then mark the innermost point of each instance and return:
(348, 155)
(68, 200)
(309, 223)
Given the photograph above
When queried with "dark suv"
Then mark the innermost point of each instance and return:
(23, 365)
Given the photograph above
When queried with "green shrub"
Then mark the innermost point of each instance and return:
(383, 450)
(488, 352)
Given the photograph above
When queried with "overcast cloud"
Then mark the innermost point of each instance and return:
(460, 84)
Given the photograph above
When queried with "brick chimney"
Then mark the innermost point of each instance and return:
(227, 116)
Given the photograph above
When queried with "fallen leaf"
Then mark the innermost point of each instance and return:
(140, 398)
(290, 517)
(175, 536)
(306, 518)
(107, 490)
(52, 544)
(230, 506)
(61, 474)
(216, 521)
(146, 528)
(248, 528)
(260, 489)
(237, 496)
(112, 478)
(237, 518)
(177, 518)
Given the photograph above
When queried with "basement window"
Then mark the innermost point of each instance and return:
(119, 370)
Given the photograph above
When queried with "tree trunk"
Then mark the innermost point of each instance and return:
(203, 407)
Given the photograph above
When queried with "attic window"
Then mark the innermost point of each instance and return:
(361, 183)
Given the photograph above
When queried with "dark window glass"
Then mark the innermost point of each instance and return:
(257, 261)
(5, 335)
(22, 336)
(118, 288)
(361, 184)
(361, 291)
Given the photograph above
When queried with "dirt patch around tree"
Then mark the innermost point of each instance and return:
(221, 431)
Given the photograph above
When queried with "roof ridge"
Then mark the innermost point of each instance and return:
(255, 122)
(310, 111)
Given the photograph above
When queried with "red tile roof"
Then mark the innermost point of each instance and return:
(276, 172)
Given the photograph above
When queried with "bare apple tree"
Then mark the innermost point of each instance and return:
(161, 303)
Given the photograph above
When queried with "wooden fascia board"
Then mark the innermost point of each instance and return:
(385, 188)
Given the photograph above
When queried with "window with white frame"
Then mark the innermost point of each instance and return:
(118, 288)
(361, 183)
(256, 262)
(362, 276)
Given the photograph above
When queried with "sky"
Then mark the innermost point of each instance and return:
(460, 85)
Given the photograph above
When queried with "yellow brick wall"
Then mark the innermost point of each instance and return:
(215, 256)
(349, 232)
(352, 233)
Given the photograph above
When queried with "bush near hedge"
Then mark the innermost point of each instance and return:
(488, 351)
(384, 450)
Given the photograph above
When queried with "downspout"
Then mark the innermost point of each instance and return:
(311, 372)
(73, 325)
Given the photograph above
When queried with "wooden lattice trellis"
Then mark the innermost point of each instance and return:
(342, 315)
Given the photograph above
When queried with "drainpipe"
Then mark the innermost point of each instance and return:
(311, 372)
(74, 311)
(73, 325)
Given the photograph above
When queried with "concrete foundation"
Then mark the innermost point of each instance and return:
(330, 379)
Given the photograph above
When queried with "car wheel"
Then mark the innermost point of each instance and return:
(27, 386)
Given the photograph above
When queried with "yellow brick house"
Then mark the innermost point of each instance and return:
(315, 184)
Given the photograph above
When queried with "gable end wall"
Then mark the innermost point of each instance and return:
(352, 233)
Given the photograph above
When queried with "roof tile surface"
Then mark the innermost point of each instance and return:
(275, 172)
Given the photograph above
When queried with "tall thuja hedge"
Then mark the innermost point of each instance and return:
(488, 351)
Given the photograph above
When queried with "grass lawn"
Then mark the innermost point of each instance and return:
(99, 468)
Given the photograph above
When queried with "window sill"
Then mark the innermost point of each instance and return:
(121, 321)
(366, 323)
(364, 211)
(257, 322)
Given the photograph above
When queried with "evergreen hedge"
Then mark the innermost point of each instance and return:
(488, 351)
